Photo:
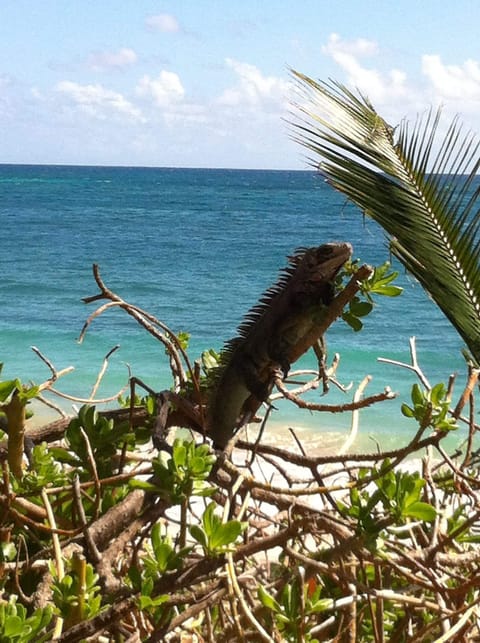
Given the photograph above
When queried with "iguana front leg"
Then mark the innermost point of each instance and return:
(320, 351)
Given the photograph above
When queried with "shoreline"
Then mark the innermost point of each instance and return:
(314, 439)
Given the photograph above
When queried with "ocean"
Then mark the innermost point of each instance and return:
(196, 248)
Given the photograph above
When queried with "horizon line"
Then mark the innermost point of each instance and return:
(157, 167)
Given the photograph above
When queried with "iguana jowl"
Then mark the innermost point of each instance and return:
(274, 334)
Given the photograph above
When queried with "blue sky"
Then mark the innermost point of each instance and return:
(205, 83)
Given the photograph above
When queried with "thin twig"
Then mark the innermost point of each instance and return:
(103, 370)
(414, 366)
(58, 555)
(333, 408)
(55, 374)
(93, 468)
(355, 416)
(94, 554)
(88, 400)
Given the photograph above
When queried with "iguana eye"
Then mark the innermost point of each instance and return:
(324, 252)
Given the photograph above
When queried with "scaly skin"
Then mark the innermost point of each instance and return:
(272, 337)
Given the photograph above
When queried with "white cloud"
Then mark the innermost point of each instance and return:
(163, 22)
(457, 82)
(165, 90)
(156, 120)
(99, 102)
(336, 47)
(253, 88)
(453, 87)
(456, 87)
(104, 60)
(188, 115)
(379, 87)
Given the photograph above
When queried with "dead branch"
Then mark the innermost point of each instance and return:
(332, 408)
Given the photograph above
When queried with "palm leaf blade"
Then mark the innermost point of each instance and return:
(423, 198)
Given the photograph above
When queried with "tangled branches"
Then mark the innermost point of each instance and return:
(108, 534)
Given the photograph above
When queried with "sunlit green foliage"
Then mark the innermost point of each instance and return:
(431, 408)
(77, 595)
(17, 627)
(184, 474)
(215, 536)
(380, 283)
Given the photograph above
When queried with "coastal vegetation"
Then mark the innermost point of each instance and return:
(122, 523)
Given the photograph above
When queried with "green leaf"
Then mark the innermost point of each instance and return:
(437, 394)
(412, 489)
(202, 489)
(7, 388)
(183, 339)
(198, 534)
(134, 483)
(179, 454)
(268, 600)
(14, 627)
(210, 520)
(163, 553)
(64, 456)
(420, 511)
(418, 398)
(388, 291)
(321, 605)
(29, 393)
(156, 536)
(469, 539)
(226, 534)
(407, 411)
(8, 551)
(352, 321)
(209, 359)
(135, 577)
(148, 603)
(360, 308)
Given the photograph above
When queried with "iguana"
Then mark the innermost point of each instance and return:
(273, 335)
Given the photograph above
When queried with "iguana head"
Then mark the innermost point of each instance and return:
(320, 263)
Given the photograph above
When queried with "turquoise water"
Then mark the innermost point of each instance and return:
(195, 248)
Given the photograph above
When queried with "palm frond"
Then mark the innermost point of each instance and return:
(418, 186)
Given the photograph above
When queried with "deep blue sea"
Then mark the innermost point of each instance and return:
(195, 248)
